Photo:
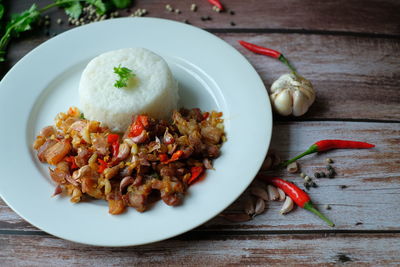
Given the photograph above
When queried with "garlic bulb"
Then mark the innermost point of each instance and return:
(292, 94)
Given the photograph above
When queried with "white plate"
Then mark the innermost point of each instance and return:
(211, 75)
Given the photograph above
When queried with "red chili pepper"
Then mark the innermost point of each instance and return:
(216, 3)
(71, 161)
(300, 197)
(102, 166)
(144, 120)
(112, 138)
(325, 145)
(136, 130)
(163, 157)
(141, 122)
(177, 155)
(206, 115)
(195, 172)
(267, 52)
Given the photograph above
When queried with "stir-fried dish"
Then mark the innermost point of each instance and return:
(153, 159)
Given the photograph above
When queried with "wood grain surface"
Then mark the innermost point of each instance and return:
(211, 249)
(375, 17)
(350, 50)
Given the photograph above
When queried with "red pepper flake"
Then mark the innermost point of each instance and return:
(111, 138)
(195, 172)
(136, 130)
(163, 157)
(177, 155)
(71, 161)
(144, 120)
(102, 166)
(141, 122)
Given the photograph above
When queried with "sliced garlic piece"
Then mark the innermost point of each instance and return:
(287, 206)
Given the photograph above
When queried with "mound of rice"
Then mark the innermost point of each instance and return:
(153, 90)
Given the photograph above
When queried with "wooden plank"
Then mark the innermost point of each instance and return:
(209, 250)
(355, 78)
(371, 177)
(370, 16)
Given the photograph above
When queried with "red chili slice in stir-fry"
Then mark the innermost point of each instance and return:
(177, 155)
(112, 138)
(144, 120)
(163, 157)
(71, 161)
(141, 122)
(102, 166)
(195, 172)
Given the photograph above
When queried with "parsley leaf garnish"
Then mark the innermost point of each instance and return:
(124, 75)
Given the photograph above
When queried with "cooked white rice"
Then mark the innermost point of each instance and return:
(152, 91)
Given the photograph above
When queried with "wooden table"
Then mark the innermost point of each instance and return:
(350, 50)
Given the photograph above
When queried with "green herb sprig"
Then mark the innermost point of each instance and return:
(124, 75)
(25, 20)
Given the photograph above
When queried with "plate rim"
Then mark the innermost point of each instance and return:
(268, 113)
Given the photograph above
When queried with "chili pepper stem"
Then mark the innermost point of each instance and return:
(310, 150)
(308, 206)
(286, 62)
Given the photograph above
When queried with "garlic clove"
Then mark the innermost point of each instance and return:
(287, 206)
(273, 193)
(260, 206)
(282, 102)
(282, 194)
(300, 103)
(283, 81)
(292, 94)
